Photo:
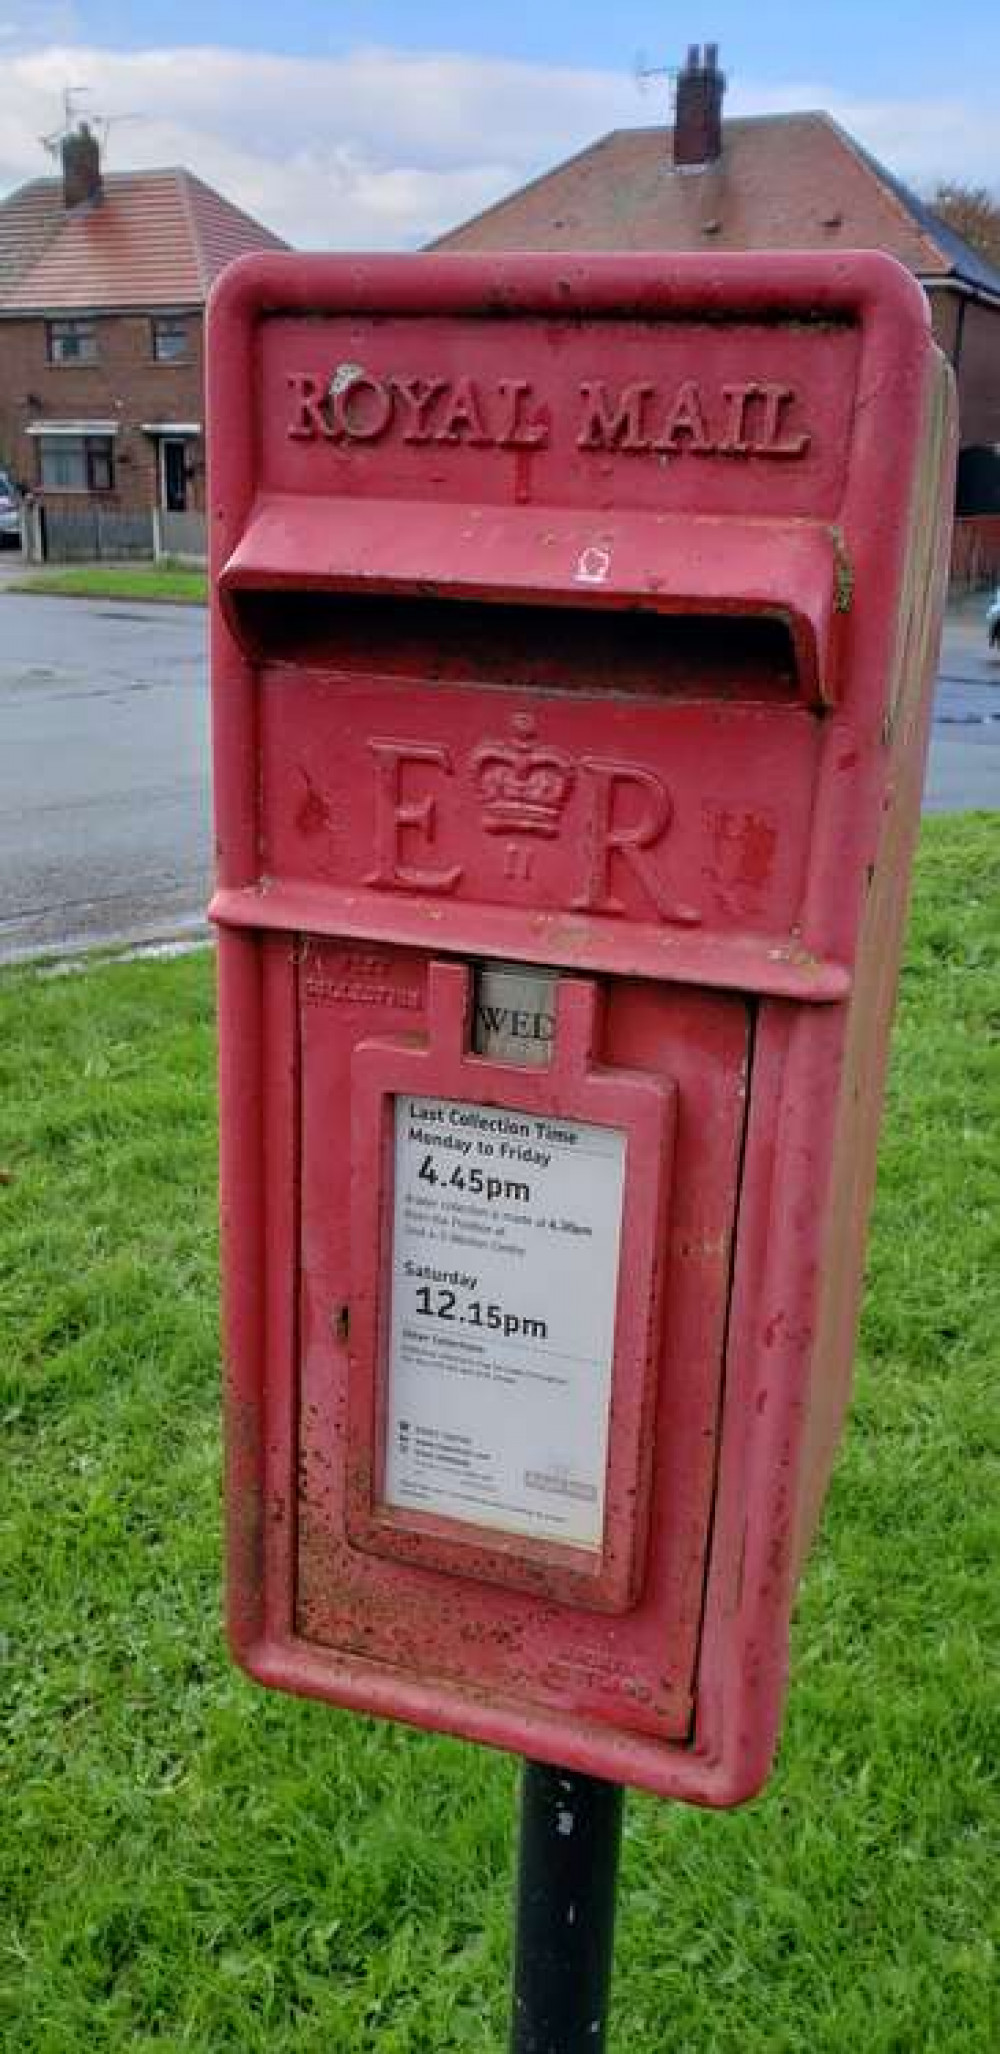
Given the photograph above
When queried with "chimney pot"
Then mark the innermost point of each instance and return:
(698, 108)
(81, 168)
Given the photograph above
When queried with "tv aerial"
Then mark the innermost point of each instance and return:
(74, 111)
(643, 73)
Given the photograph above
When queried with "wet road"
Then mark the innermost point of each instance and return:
(963, 770)
(104, 809)
(104, 806)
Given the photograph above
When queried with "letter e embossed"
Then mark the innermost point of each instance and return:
(396, 816)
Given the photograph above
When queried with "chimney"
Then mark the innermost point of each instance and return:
(81, 168)
(698, 111)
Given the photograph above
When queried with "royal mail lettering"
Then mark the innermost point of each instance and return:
(416, 397)
(753, 419)
(738, 420)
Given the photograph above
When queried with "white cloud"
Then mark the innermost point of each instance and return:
(382, 148)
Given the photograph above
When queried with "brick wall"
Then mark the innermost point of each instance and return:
(972, 331)
(975, 552)
(944, 308)
(979, 375)
(126, 385)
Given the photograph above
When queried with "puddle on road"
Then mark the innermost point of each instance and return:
(967, 719)
(119, 613)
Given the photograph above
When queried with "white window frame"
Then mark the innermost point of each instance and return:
(87, 450)
(178, 325)
(69, 328)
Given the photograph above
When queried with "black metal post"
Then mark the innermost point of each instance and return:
(570, 1834)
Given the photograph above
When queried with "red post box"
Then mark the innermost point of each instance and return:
(574, 628)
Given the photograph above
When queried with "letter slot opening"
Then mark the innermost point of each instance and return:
(744, 657)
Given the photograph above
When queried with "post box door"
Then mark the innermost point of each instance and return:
(603, 1622)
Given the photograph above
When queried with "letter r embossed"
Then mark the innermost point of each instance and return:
(396, 815)
(609, 836)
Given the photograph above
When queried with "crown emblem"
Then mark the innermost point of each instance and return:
(524, 787)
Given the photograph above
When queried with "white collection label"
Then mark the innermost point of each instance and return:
(506, 1235)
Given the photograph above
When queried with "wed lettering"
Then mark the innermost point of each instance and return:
(515, 1022)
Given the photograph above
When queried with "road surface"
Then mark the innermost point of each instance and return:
(963, 770)
(104, 805)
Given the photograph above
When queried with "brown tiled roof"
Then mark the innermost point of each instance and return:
(155, 238)
(28, 220)
(783, 182)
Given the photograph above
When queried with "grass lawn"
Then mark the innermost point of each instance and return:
(189, 1864)
(172, 584)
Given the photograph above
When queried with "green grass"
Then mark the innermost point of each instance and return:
(172, 584)
(187, 1863)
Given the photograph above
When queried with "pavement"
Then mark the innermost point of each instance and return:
(105, 819)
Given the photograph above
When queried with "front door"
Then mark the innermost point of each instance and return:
(174, 475)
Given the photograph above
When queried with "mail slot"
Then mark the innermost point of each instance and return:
(574, 627)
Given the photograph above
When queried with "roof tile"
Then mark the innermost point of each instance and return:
(155, 238)
(783, 182)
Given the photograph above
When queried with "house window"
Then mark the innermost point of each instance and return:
(170, 339)
(76, 463)
(72, 342)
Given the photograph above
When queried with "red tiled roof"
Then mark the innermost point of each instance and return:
(28, 220)
(783, 182)
(155, 238)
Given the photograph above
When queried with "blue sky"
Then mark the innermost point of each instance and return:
(886, 47)
(374, 123)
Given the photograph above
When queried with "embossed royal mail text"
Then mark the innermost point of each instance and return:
(691, 417)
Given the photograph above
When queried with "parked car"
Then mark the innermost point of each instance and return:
(10, 513)
(993, 620)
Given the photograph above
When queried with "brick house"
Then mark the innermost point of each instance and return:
(103, 282)
(775, 182)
